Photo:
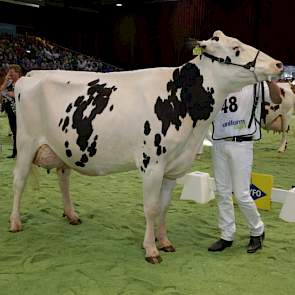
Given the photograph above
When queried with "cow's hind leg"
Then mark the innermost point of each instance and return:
(164, 243)
(283, 143)
(285, 127)
(21, 171)
(69, 211)
(152, 183)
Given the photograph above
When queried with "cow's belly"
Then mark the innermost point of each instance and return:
(49, 156)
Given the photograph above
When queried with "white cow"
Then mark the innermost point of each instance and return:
(153, 120)
(277, 117)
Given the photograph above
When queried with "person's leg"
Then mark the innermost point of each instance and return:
(224, 191)
(226, 220)
(13, 129)
(12, 124)
(241, 159)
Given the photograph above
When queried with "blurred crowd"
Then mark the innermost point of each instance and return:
(21, 54)
(33, 53)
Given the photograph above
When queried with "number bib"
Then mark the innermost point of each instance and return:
(235, 116)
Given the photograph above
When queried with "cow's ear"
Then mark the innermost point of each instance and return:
(209, 46)
(218, 33)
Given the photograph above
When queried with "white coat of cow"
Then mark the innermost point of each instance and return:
(153, 120)
(277, 117)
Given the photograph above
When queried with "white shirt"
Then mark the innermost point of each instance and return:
(235, 118)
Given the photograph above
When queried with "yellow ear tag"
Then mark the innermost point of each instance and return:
(197, 50)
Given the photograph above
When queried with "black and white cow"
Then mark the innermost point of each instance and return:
(277, 117)
(153, 120)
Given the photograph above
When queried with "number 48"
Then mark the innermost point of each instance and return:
(230, 104)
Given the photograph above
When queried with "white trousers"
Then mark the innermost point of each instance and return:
(232, 169)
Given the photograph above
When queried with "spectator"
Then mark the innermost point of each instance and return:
(7, 92)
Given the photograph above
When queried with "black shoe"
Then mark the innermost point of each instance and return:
(220, 245)
(255, 243)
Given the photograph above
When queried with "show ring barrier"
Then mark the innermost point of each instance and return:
(200, 188)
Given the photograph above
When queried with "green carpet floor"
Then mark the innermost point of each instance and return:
(103, 255)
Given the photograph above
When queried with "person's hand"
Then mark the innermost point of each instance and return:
(7, 79)
(10, 93)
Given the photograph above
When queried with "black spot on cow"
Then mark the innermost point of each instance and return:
(275, 107)
(227, 59)
(66, 131)
(66, 123)
(147, 128)
(193, 100)
(146, 160)
(215, 38)
(111, 107)
(66, 144)
(79, 164)
(68, 82)
(264, 110)
(157, 143)
(95, 102)
(98, 97)
(92, 83)
(159, 150)
(157, 139)
(141, 168)
(68, 153)
(144, 142)
(69, 108)
(237, 52)
(60, 122)
(18, 97)
(164, 150)
(79, 100)
(92, 148)
(84, 158)
(282, 92)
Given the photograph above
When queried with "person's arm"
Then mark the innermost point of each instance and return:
(5, 83)
(274, 92)
(10, 93)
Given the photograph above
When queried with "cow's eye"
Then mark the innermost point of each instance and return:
(236, 48)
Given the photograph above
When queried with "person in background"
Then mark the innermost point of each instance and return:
(235, 128)
(7, 93)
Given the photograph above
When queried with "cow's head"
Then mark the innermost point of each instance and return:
(241, 57)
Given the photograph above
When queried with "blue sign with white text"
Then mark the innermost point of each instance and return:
(256, 193)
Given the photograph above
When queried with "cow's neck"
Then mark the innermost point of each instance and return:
(220, 78)
(226, 77)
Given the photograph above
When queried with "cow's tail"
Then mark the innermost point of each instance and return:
(34, 178)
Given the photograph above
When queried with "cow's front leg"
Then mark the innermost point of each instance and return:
(165, 197)
(69, 211)
(152, 183)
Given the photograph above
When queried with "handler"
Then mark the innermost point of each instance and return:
(235, 128)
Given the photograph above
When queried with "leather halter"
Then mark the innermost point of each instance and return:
(249, 66)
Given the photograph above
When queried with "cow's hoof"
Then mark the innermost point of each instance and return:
(169, 248)
(15, 227)
(73, 220)
(154, 260)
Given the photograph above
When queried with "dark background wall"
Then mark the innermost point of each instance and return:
(147, 35)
